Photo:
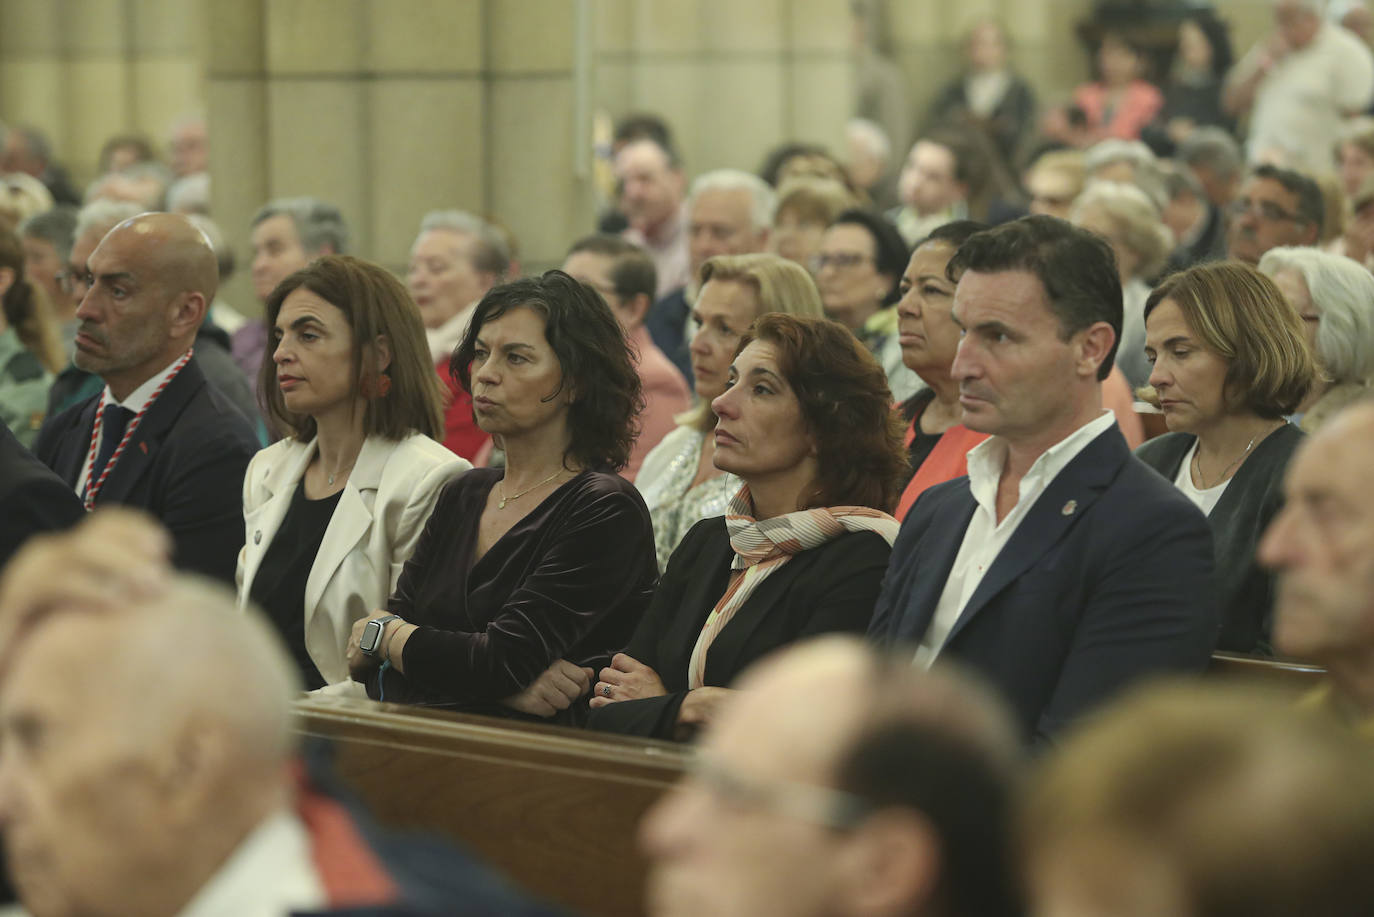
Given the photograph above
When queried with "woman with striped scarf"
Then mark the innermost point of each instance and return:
(806, 423)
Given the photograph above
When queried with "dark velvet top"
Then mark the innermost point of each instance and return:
(569, 581)
(279, 586)
(922, 443)
(831, 588)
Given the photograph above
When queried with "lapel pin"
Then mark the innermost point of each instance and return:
(1069, 508)
(257, 537)
(143, 447)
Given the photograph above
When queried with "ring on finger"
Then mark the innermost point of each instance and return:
(605, 690)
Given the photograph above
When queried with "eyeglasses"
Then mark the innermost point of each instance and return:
(840, 261)
(824, 806)
(1268, 211)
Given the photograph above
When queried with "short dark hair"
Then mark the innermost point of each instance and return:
(954, 233)
(376, 304)
(593, 353)
(632, 270)
(940, 743)
(646, 126)
(1076, 268)
(890, 253)
(1311, 204)
(846, 406)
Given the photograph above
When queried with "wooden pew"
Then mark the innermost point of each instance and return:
(1288, 674)
(555, 810)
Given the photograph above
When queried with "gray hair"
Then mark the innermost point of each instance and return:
(489, 252)
(1144, 164)
(871, 136)
(190, 194)
(103, 215)
(764, 198)
(57, 227)
(1342, 290)
(1179, 179)
(1136, 217)
(1213, 148)
(318, 223)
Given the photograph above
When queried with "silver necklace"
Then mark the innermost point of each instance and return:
(500, 485)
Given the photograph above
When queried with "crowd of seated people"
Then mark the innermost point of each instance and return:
(1117, 424)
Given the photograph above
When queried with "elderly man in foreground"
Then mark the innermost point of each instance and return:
(180, 795)
(841, 781)
(1322, 545)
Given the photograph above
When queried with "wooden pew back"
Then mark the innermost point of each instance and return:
(1282, 673)
(553, 809)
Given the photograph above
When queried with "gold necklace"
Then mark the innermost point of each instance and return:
(1197, 461)
(500, 485)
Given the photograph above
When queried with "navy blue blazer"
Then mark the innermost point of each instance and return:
(1107, 579)
(184, 466)
(666, 320)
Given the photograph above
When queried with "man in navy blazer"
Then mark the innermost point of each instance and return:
(168, 442)
(1061, 567)
(32, 498)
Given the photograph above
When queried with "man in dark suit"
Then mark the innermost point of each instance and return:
(1061, 567)
(158, 436)
(32, 498)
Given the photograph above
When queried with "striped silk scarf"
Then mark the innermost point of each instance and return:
(762, 546)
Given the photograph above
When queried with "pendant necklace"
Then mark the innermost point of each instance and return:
(505, 499)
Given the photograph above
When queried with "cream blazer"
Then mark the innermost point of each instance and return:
(375, 527)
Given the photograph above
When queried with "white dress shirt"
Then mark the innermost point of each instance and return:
(270, 874)
(985, 536)
(1205, 498)
(138, 400)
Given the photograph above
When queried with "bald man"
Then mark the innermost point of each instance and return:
(841, 781)
(158, 436)
(176, 796)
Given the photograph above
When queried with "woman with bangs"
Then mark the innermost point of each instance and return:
(805, 422)
(1229, 363)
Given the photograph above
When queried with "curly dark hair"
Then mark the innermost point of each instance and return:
(847, 407)
(592, 351)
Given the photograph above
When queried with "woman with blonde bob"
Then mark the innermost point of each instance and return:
(679, 481)
(1131, 223)
(1334, 297)
(335, 509)
(1230, 362)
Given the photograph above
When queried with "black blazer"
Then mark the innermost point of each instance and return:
(1106, 580)
(184, 466)
(829, 588)
(667, 321)
(32, 498)
(1245, 590)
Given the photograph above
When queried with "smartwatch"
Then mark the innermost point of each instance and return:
(371, 640)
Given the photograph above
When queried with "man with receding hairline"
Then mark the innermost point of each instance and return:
(158, 436)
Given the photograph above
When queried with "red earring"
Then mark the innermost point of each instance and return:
(371, 388)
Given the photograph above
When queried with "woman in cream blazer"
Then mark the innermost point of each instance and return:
(333, 511)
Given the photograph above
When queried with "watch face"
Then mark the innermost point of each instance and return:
(372, 631)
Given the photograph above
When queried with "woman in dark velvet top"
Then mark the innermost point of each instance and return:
(1229, 362)
(526, 579)
(806, 423)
